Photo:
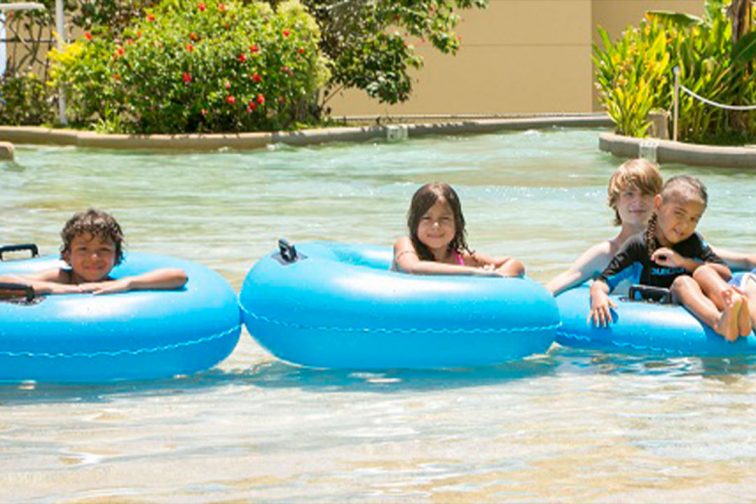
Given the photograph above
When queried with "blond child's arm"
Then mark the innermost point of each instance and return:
(736, 260)
(160, 279)
(588, 265)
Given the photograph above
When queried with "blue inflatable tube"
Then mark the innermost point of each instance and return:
(646, 328)
(339, 306)
(124, 336)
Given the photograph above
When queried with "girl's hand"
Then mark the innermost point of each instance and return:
(667, 257)
(601, 306)
(106, 287)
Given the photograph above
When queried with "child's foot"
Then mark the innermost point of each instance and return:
(728, 322)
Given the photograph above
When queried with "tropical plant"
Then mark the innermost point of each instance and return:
(709, 64)
(189, 66)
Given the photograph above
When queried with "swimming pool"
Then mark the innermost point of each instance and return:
(570, 426)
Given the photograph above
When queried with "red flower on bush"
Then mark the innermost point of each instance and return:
(252, 106)
(286, 33)
(186, 77)
(260, 99)
(201, 6)
(189, 47)
(301, 50)
(230, 99)
(256, 77)
(150, 18)
(242, 58)
(194, 37)
(253, 48)
(87, 35)
(221, 7)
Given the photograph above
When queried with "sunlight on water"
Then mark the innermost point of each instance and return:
(572, 426)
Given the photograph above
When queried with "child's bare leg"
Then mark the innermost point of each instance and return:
(688, 293)
(748, 285)
(512, 267)
(744, 319)
(712, 284)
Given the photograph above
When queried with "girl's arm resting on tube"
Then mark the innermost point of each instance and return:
(505, 266)
(601, 304)
(407, 261)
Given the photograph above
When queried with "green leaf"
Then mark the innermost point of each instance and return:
(745, 49)
(679, 19)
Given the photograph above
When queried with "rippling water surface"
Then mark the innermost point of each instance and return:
(570, 426)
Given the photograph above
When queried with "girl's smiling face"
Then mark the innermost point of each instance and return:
(436, 229)
(91, 258)
(635, 207)
(677, 219)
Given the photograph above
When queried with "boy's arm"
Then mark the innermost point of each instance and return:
(590, 263)
(160, 279)
(736, 260)
(48, 282)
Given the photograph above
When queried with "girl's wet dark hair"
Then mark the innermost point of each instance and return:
(423, 199)
(95, 223)
(679, 188)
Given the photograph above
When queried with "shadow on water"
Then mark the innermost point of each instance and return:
(583, 361)
(281, 375)
(278, 375)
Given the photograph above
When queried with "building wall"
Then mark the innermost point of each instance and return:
(517, 56)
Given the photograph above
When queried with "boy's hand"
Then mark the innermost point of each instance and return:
(56, 288)
(106, 287)
(601, 306)
(667, 257)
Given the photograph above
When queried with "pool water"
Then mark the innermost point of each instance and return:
(569, 426)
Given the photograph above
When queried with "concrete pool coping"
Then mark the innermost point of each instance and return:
(668, 151)
(435, 125)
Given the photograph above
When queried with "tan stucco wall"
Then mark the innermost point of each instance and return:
(517, 56)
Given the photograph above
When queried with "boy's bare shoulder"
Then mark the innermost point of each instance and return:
(57, 275)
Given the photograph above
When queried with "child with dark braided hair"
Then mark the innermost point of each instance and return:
(92, 247)
(437, 245)
(670, 254)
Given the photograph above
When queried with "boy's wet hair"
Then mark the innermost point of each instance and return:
(640, 173)
(95, 223)
(423, 199)
(685, 188)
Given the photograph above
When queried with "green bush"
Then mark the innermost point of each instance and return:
(634, 76)
(24, 100)
(196, 66)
